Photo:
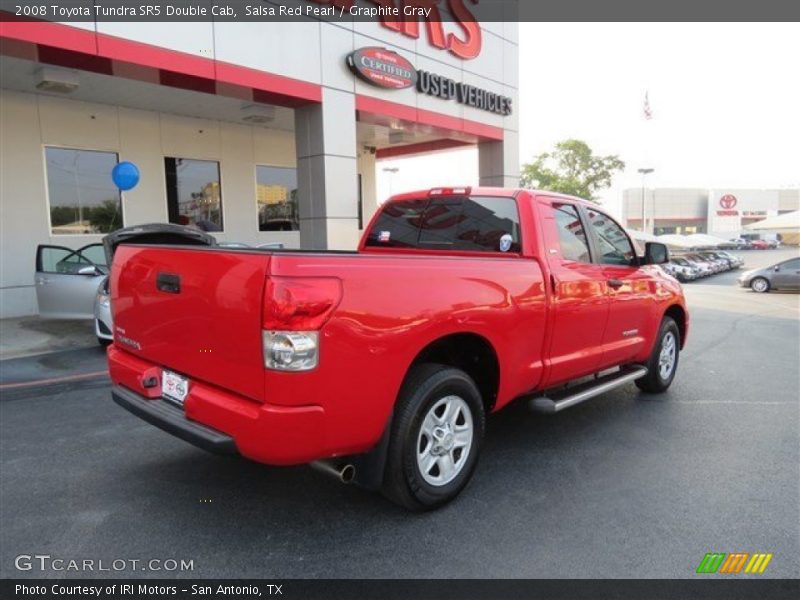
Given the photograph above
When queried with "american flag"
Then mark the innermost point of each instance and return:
(648, 112)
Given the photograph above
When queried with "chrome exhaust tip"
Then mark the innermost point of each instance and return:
(345, 473)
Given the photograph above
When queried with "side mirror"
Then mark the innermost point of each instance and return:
(89, 271)
(655, 253)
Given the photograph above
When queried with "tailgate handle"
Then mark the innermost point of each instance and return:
(169, 283)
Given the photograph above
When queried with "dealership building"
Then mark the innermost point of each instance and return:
(719, 212)
(257, 131)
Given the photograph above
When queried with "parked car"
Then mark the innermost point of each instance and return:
(381, 365)
(741, 243)
(683, 271)
(103, 321)
(717, 266)
(670, 269)
(689, 270)
(759, 245)
(734, 261)
(704, 266)
(726, 263)
(781, 276)
(68, 282)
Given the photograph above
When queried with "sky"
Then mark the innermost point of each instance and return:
(725, 99)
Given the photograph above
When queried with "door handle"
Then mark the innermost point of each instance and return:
(615, 283)
(169, 283)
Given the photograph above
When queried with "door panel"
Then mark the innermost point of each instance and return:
(630, 290)
(579, 301)
(788, 276)
(630, 306)
(61, 292)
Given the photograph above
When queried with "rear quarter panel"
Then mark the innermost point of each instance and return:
(392, 308)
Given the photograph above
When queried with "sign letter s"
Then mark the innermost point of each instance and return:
(471, 46)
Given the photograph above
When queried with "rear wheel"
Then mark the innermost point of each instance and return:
(437, 433)
(759, 285)
(663, 362)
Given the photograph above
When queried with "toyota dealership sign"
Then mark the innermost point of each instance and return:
(382, 67)
(388, 69)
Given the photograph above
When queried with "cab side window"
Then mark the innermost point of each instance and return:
(614, 245)
(572, 237)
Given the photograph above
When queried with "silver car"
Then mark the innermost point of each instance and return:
(68, 281)
(782, 276)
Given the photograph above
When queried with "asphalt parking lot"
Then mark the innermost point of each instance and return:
(623, 486)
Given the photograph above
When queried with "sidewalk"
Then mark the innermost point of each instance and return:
(29, 336)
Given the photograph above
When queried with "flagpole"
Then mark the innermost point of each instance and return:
(644, 171)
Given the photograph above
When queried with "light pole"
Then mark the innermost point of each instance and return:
(644, 172)
(391, 171)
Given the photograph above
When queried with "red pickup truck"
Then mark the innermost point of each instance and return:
(381, 365)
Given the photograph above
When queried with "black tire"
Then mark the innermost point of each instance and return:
(654, 382)
(760, 285)
(103, 342)
(424, 387)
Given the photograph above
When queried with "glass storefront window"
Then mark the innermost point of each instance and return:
(194, 196)
(83, 198)
(276, 196)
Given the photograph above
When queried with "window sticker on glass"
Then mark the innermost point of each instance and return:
(384, 236)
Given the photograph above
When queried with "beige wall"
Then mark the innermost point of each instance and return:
(29, 122)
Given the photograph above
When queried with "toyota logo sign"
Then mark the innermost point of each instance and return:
(728, 201)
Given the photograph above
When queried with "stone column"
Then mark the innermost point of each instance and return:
(327, 183)
(498, 162)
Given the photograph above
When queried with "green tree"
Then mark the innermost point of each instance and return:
(572, 169)
(105, 217)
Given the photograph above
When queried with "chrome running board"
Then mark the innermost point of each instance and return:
(557, 402)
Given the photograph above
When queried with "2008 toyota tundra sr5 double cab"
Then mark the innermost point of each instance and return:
(382, 364)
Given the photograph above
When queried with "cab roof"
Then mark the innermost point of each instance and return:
(482, 191)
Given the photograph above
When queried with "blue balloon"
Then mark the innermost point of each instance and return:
(125, 175)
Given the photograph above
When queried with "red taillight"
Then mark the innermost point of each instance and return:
(300, 303)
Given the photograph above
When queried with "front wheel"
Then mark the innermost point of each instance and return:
(759, 285)
(436, 437)
(663, 362)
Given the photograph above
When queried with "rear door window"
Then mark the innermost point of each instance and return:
(476, 224)
(571, 235)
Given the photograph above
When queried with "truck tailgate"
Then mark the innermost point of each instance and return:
(195, 311)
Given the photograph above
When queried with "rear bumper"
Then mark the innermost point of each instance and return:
(173, 420)
(219, 420)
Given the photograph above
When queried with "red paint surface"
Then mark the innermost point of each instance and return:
(547, 320)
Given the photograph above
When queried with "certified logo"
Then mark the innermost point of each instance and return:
(728, 201)
(382, 67)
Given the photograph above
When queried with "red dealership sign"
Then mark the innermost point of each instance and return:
(382, 67)
(463, 41)
(728, 201)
